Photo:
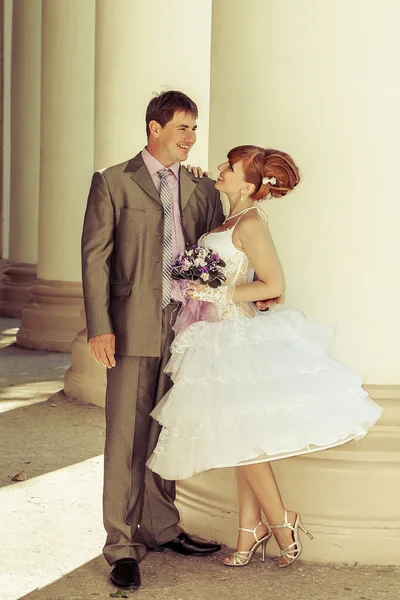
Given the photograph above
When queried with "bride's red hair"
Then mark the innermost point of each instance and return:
(265, 162)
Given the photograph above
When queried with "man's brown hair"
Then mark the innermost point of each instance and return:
(162, 108)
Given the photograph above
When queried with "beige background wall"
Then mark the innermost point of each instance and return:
(320, 81)
(145, 61)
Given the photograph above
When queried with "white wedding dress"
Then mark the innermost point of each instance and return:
(254, 386)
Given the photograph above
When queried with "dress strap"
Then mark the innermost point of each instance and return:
(246, 210)
(258, 209)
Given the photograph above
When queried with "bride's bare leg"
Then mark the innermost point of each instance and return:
(262, 483)
(249, 515)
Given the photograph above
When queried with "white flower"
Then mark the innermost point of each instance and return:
(199, 262)
(205, 276)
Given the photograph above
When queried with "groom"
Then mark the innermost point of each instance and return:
(139, 214)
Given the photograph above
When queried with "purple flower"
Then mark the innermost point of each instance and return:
(198, 262)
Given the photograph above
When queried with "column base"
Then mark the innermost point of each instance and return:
(85, 380)
(51, 318)
(15, 288)
(349, 496)
(3, 263)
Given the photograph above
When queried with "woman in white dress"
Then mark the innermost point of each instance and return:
(252, 387)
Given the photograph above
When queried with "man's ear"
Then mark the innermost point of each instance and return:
(155, 128)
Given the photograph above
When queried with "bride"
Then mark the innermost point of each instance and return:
(252, 388)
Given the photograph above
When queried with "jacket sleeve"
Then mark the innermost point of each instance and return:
(216, 213)
(97, 249)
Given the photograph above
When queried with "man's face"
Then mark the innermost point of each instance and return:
(175, 140)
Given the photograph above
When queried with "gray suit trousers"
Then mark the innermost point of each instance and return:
(138, 505)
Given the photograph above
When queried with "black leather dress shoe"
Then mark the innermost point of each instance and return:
(184, 544)
(125, 574)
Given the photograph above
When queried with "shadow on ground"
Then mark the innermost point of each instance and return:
(40, 429)
(48, 436)
(169, 576)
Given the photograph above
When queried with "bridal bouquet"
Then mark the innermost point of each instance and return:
(198, 263)
(203, 266)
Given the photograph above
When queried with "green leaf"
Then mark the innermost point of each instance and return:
(214, 283)
(119, 594)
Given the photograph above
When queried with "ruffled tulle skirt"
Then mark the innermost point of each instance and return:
(256, 390)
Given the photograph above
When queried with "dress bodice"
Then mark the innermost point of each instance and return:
(237, 271)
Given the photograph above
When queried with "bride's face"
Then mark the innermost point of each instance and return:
(231, 179)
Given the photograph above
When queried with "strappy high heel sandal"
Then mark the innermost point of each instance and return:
(294, 550)
(242, 558)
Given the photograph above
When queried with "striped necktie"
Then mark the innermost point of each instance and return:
(165, 197)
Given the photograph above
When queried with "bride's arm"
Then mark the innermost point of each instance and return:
(255, 240)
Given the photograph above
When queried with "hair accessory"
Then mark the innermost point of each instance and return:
(270, 180)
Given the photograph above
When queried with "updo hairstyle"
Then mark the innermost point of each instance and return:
(260, 163)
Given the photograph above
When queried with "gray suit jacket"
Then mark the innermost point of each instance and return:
(122, 247)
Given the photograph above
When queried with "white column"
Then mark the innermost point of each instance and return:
(20, 270)
(51, 319)
(305, 77)
(5, 130)
(161, 45)
(149, 57)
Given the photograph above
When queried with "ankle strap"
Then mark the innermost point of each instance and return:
(285, 524)
(253, 531)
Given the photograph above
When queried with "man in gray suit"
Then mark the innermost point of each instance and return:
(139, 215)
(129, 328)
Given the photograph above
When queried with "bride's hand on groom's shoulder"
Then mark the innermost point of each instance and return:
(265, 304)
(196, 171)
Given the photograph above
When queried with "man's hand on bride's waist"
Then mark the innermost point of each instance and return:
(266, 304)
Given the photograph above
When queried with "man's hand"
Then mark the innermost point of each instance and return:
(103, 349)
(264, 304)
(197, 171)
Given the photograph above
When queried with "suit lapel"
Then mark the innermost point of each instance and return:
(139, 173)
(142, 177)
(187, 186)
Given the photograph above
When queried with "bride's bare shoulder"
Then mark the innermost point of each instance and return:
(252, 223)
